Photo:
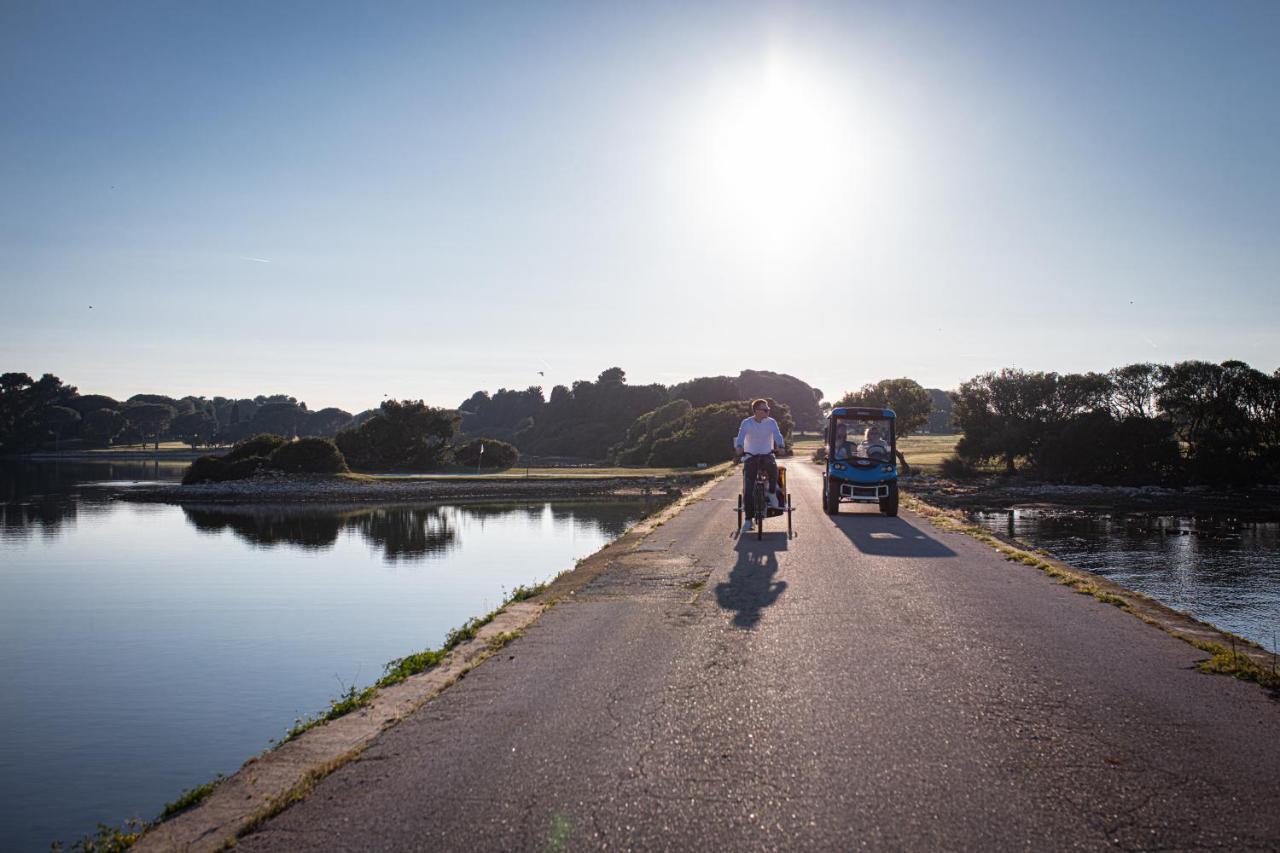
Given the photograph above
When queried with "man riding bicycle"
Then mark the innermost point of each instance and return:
(758, 436)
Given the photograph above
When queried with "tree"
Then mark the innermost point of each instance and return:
(910, 402)
(59, 420)
(195, 428)
(149, 420)
(1220, 412)
(795, 393)
(1002, 415)
(326, 422)
(279, 417)
(101, 426)
(22, 404)
(585, 422)
(706, 434)
(92, 402)
(644, 430)
(705, 390)
(1133, 390)
(939, 412)
(405, 434)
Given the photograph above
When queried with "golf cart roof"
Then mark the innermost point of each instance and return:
(859, 412)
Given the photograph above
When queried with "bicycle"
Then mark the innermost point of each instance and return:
(760, 499)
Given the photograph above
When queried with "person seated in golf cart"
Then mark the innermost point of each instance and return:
(846, 447)
(874, 444)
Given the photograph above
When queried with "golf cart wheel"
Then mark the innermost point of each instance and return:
(832, 502)
(889, 503)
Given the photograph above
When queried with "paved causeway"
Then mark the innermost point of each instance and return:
(872, 682)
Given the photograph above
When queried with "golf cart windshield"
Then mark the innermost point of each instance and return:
(863, 438)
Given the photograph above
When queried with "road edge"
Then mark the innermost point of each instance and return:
(269, 783)
(1229, 654)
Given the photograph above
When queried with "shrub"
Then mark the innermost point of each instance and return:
(243, 469)
(216, 469)
(206, 469)
(263, 444)
(497, 454)
(955, 468)
(309, 456)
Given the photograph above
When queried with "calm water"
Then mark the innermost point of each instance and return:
(146, 648)
(1224, 572)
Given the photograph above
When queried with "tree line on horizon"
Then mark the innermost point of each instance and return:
(1191, 422)
(582, 421)
(45, 412)
(605, 420)
(596, 420)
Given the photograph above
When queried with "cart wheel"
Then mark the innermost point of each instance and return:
(790, 509)
(739, 527)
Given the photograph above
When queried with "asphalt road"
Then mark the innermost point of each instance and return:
(872, 682)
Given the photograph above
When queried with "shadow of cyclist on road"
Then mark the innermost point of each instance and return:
(751, 587)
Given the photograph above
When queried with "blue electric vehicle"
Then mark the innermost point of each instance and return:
(862, 453)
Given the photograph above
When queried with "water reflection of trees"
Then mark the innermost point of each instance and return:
(611, 518)
(49, 496)
(46, 513)
(407, 533)
(268, 527)
(402, 533)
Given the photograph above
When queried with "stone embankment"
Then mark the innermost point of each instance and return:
(993, 494)
(331, 489)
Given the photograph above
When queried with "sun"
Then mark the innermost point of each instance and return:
(779, 149)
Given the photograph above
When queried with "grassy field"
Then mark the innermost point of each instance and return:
(924, 453)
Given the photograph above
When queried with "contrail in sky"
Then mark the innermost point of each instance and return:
(255, 260)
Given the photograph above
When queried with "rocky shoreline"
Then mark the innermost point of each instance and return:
(339, 490)
(1260, 503)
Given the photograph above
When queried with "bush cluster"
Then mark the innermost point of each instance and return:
(267, 452)
(309, 456)
(497, 455)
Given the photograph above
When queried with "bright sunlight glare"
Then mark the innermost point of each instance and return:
(780, 150)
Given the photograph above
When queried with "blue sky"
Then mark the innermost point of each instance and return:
(346, 201)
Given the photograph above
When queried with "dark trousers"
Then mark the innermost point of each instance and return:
(749, 469)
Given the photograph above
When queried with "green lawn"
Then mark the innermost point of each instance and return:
(924, 453)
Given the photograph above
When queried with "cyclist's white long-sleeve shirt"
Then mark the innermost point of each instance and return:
(759, 436)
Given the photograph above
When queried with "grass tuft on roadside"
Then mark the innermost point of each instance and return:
(107, 839)
(1223, 660)
(189, 799)
(400, 669)
(1228, 661)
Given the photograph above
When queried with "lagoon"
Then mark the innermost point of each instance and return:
(146, 648)
(1224, 571)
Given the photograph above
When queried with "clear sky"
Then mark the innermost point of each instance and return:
(346, 201)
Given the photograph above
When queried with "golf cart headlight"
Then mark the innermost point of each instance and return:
(888, 469)
(839, 466)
